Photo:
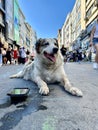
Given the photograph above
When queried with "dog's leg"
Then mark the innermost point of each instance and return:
(21, 73)
(68, 87)
(18, 75)
(43, 88)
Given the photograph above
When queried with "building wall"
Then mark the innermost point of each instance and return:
(16, 21)
(78, 25)
(83, 9)
(30, 37)
(3, 24)
(2, 18)
(9, 20)
(65, 32)
(91, 11)
(22, 28)
(13, 30)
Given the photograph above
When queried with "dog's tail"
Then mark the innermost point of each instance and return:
(18, 75)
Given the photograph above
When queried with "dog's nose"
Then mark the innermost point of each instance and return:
(55, 50)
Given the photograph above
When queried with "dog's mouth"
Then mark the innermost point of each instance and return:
(50, 56)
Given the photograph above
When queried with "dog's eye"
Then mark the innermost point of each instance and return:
(56, 44)
(45, 44)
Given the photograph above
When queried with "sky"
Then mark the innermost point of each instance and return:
(46, 16)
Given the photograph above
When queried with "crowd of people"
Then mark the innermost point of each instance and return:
(13, 56)
(75, 55)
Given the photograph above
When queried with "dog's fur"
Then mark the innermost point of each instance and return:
(47, 67)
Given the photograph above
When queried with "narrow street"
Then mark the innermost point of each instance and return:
(57, 111)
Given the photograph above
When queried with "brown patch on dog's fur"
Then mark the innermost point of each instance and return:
(39, 43)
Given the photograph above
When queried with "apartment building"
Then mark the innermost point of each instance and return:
(30, 37)
(14, 30)
(73, 27)
(66, 32)
(22, 28)
(77, 26)
(78, 23)
(91, 12)
(9, 21)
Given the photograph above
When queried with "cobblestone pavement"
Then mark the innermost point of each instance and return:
(59, 110)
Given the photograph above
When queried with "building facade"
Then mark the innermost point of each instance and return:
(9, 21)
(30, 37)
(91, 13)
(77, 26)
(22, 28)
(66, 32)
(16, 23)
(2, 21)
(14, 31)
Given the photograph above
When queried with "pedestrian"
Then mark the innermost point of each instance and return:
(4, 56)
(19, 56)
(94, 41)
(23, 55)
(9, 55)
(15, 56)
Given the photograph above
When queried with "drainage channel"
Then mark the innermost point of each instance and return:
(32, 104)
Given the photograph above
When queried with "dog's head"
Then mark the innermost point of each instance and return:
(48, 49)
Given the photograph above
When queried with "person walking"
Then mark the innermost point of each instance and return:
(94, 41)
(8, 55)
(15, 56)
(4, 58)
(23, 55)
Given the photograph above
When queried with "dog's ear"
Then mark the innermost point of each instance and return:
(39, 44)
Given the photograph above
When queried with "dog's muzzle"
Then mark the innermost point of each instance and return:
(51, 56)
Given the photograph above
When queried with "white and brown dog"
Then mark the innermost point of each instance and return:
(47, 67)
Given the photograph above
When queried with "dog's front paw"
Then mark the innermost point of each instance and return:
(44, 90)
(76, 91)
